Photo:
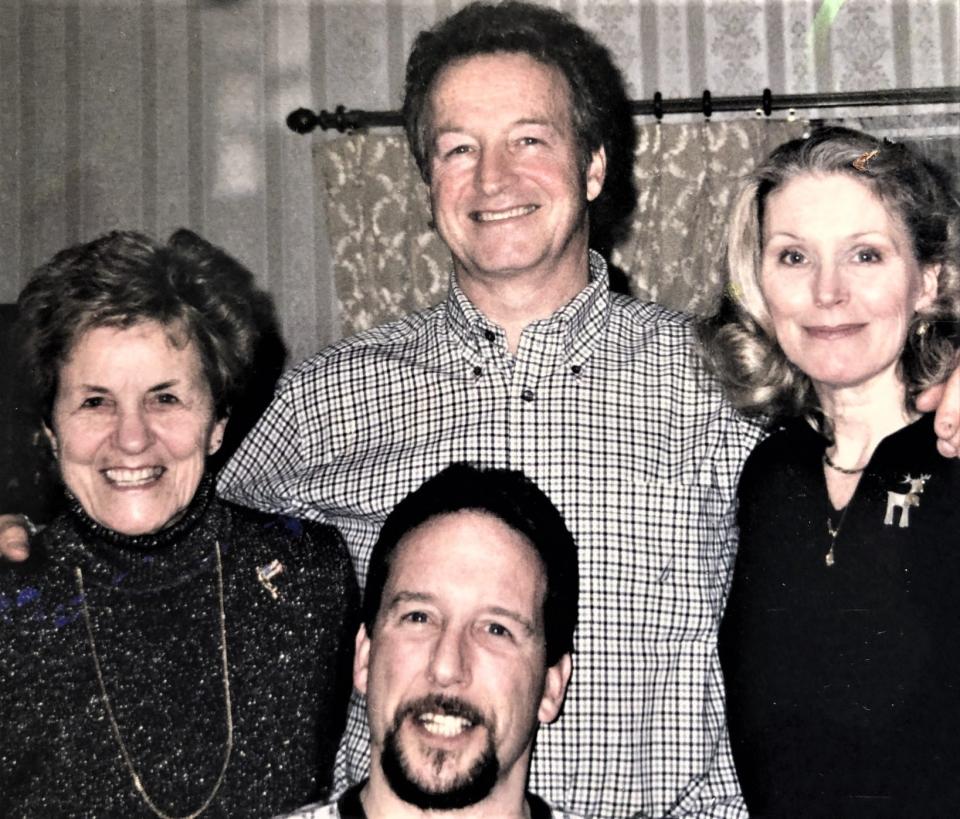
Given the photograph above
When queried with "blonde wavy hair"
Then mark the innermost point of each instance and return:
(738, 345)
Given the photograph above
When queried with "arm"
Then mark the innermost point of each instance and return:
(945, 399)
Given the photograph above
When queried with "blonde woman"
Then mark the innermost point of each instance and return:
(839, 640)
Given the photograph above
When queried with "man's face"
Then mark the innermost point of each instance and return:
(455, 672)
(506, 191)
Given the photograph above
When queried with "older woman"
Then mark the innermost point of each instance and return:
(168, 654)
(839, 643)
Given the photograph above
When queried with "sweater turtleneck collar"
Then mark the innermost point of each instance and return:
(98, 533)
(168, 556)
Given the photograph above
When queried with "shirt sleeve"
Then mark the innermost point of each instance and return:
(269, 468)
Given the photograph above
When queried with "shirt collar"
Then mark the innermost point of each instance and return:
(574, 330)
(350, 807)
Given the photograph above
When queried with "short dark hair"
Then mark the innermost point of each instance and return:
(598, 99)
(123, 278)
(515, 500)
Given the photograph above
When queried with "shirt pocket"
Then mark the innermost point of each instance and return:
(663, 562)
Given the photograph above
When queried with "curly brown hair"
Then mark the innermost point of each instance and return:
(188, 285)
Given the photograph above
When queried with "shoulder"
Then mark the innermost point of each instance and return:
(648, 319)
(404, 338)
(311, 542)
(314, 811)
(783, 458)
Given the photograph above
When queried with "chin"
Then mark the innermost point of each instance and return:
(143, 523)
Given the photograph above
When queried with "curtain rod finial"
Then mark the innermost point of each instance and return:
(303, 120)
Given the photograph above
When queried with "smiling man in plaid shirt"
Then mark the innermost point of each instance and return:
(532, 364)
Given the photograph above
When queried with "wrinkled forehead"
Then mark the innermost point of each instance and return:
(499, 76)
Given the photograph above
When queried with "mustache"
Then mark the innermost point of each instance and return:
(439, 704)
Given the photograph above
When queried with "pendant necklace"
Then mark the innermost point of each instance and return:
(228, 746)
(829, 558)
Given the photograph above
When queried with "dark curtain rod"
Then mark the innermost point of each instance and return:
(303, 120)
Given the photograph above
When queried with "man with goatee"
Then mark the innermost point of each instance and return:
(465, 649)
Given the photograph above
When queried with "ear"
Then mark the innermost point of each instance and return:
(52, 438)
(216, 436)
(555, 689)
(361, 660)
(596, 173)
(929, 282)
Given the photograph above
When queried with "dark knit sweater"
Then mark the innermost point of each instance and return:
(153, 604)
(843, 680)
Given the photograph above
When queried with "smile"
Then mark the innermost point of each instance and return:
(500, 215)
(444, 725)
(836, 332)
(132, 478)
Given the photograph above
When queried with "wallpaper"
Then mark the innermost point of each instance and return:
(153, 114)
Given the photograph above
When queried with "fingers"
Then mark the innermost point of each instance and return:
(947, 423)
(945, 399)
(14, 538)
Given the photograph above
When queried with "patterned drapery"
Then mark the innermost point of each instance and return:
(389, 261)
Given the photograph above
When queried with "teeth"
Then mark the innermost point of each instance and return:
(443, 725)
(133, 477)
(496, 216)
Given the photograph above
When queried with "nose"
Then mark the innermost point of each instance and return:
(830, 287)
(133, 432)
(449, 664)
(494, 170)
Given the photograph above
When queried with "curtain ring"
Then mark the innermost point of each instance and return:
(767, 102)
(707, 105)
(658, 105)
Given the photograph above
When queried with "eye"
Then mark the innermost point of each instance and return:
(791, 257)
(458, 150)
(498, 630)
(415, 617)
(93, 402)
(167, 398)
(529, 140)
(867, 255)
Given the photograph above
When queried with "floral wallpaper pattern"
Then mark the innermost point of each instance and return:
(161, 113)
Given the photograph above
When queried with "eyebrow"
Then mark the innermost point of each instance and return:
(408, 597)
(515, 616)
(787, 234)
(166, 385)
(440, 130)
(499, 611)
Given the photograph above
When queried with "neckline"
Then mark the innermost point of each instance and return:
(350, 806)
(93, 532)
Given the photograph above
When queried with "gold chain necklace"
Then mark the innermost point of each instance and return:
(137, 784)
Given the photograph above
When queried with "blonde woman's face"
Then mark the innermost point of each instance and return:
(840, 280)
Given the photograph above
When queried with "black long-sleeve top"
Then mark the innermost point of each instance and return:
(153, 604)
(843, 680)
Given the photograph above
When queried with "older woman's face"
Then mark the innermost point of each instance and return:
(132, 425)
(840, 280)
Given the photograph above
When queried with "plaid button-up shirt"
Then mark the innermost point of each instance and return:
(604, 406)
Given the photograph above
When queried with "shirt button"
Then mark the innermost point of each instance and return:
(489, 335)
(575, 369)
(478, 371)
(527, 395)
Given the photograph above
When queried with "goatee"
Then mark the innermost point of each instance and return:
(464, 790)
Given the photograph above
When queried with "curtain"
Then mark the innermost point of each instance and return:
(388, 260)
(686, 176)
